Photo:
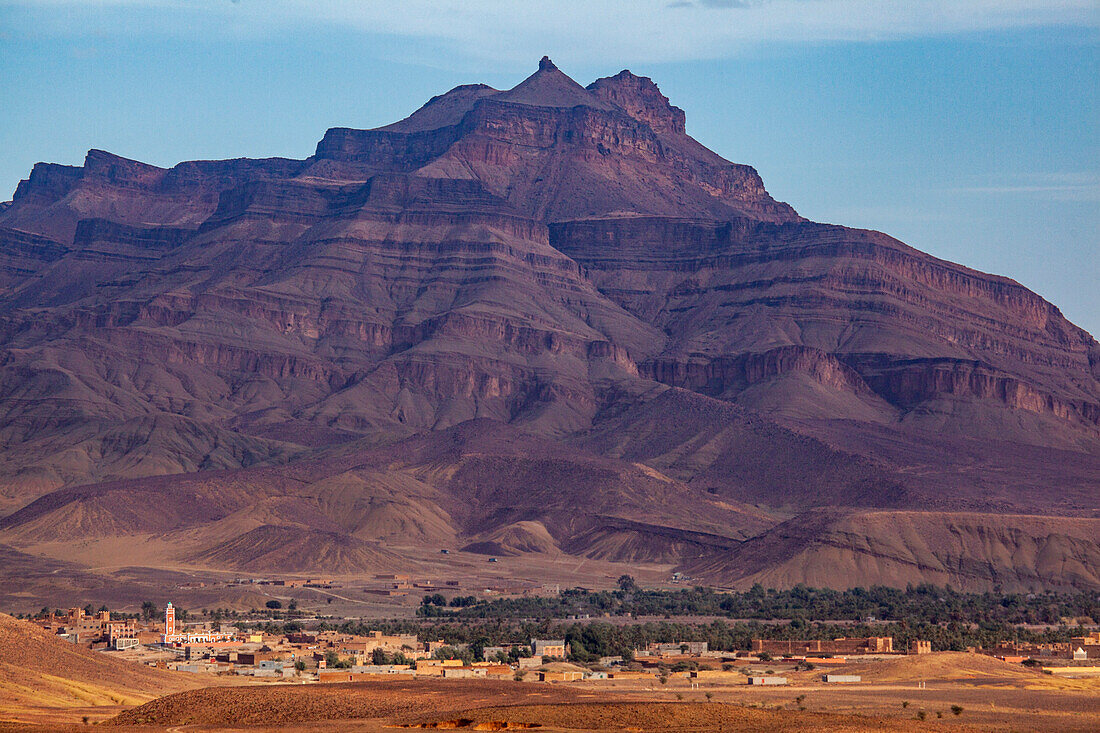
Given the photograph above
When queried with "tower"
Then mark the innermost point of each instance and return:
(169, 620)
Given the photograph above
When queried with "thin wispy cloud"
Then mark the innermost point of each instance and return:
(1082, 186)
(588, 31)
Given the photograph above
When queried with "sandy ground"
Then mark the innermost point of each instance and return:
(640, 705)
(988, 706)
(108, 575)
(482, 705)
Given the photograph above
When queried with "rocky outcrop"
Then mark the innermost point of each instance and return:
(727, 376)
(640, 98)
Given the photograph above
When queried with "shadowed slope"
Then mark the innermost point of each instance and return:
(735, 453)
(968, 551)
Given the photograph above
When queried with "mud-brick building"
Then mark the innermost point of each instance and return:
(677, 647)
(548, 647)
(843, 645)
(1089, 644)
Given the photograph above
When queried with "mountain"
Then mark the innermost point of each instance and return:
(538, 320)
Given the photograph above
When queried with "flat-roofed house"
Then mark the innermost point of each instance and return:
(548, 647)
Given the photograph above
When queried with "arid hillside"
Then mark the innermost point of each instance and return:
(542, 320)
(899, 548)
(42, 676)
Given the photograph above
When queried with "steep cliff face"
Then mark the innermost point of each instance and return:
(640, 98)
(745, 303)
(55, 198)
(562, 260)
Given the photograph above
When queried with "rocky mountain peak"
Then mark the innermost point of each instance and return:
(640, 98)
(444, 109)
(550, 87)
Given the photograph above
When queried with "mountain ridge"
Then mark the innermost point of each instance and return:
(559, 267)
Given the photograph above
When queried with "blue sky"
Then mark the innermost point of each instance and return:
(970, 130)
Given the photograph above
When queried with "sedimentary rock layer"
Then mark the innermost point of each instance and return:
(560, 267)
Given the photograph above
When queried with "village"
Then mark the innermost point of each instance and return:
(327, 656)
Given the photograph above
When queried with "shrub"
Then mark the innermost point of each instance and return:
(956, 709)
